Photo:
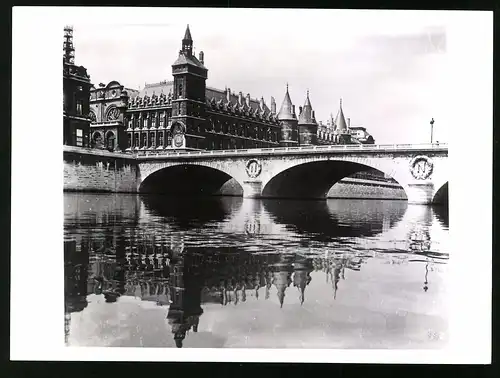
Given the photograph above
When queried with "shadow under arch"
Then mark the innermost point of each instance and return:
(311, 180)
(441, 196)
(336, 218)
(185, 180)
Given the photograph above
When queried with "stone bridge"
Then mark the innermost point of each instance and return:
(296, 172)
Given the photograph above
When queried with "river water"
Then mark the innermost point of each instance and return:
(243, 273)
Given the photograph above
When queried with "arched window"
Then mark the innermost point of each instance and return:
(110, 140)
(97, 140)
(129, 144)
(160, 138)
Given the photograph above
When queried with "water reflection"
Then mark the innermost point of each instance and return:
(187, 259)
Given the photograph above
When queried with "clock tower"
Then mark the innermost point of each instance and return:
(188, 102)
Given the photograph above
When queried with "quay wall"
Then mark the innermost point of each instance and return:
(354, 189)
(346, 188)
(99, 172)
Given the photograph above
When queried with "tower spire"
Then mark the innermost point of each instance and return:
(286, 111)
(187, 43)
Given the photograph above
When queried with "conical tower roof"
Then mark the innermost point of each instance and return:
(286, 111)
(340, 120)
(306, 118)
(187, 35)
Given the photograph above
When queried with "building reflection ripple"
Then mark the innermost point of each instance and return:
(174, 261)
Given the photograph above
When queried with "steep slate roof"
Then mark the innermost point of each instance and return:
(286, 112)
(340, 120)
(305, 118)
(156, 88)
(191, 60)
(219, 94)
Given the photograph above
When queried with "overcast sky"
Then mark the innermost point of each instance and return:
(390, 71)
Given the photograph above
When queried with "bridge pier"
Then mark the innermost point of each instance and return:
(252, 189)
(420, 193)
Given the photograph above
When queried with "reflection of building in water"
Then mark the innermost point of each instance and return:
(282, 276)
(334, 268)
(302, 268)
(185, 294)
(75, 284)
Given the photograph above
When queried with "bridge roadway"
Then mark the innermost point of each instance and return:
(289, 172)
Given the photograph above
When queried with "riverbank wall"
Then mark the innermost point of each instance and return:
(99, 171)
(348, 188)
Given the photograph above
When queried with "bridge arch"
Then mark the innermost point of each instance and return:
(314, 178)
(184, 179)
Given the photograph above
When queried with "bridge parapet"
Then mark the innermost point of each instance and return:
(342, 149)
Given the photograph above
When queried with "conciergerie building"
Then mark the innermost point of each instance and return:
(185, 113)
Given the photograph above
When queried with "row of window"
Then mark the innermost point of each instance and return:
(150, 140)
(136, 123)
(159, 139)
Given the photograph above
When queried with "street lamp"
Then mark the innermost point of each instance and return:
(432, 128)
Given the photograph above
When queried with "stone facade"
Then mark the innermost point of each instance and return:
(99, 172)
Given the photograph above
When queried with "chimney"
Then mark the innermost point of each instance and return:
(300, 110)
(273, 105)
(201, 57)
(313, 116)
(293, 109)
(247, 99)
(240, 98)
(348, 122)
(228, 95)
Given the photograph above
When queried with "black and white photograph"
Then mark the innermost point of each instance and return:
(247, 180)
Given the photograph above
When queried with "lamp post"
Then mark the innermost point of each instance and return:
(432, 128)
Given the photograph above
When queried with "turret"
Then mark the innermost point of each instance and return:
(340, 121)
(308, 128)
(341, 127)
(288, 121)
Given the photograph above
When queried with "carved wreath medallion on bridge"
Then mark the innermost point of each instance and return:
(421, 167)
(253, 168)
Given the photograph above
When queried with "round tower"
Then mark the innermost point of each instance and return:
(288, 122)
(308, 128)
